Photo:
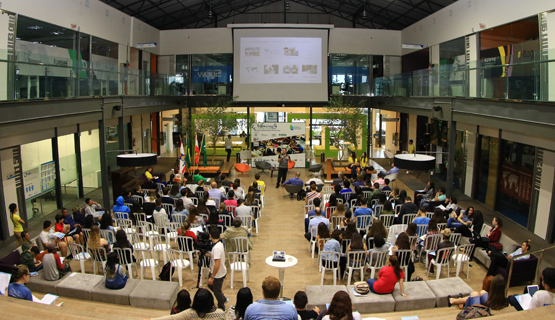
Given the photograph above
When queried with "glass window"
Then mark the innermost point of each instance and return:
(90, 160)
(104, 64)
(39, 171)
(349, 74)
(68, 168)
(514, 190)
(212, 73)
(488, 161)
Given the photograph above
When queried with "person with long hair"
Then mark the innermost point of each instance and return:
(477, 223)
(341, 308)
(244, 299)
(250, 199)
(348, 232)
(214, 220)
(388, 277)
(494, 298)
(17, 223)
(356, 244)
(438, 216)
(403, 243)
(387, 208)
(180, 208)
(116, 276)
(194, 217)
(122, 242)
(491, 241)
(465, 218)
(203, 308)
(182, 303)
(412, 228)
(95, 241)
(323, 233)
(18, 289)
(174, 191)
(185, 231)
(377, 229)
(334, 244)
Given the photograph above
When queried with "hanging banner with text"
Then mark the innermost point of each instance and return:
(268, 138)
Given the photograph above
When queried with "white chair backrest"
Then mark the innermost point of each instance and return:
(239, 244)
(373, 202)
(330, 210)
(125, 255)
(226, 219)
(173, 226)
(247, 221)
(352, 202)
(429, 215)
(255, 211)
(456, 238)
(135, 237)
(465, 250)
(378, 259)
(348, 196)
(216, 200)
(404, 257)
(231, 209)
(421, 229)
(179, 218)
(413, 240)
(204, 216)
(443, 255)
(330, 259)
(138, 199)
(356, 259)
(308, 207)
(363, 222)
(121, 215)
(344, 244)
(195, 201)
(398, 208)
(98, 254)
(108, 235)
(335, 221)
(386, 192)
(86, 233)
(124, 223)
(160, 220)
(185, 244)
(339, 200)
(140, 217)
(148, 257)
(431, 242)
(168, 207)
(367, 194)
(157, 239)
(199, 193)
(75, 249)
(408, 217)
(387, 219)
(377, 210)
(327, 189)
(394, 231)
(441, 226)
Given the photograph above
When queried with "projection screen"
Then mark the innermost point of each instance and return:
(280, 64)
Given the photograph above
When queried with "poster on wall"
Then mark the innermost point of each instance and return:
(31, 183)
(516, 182)
(47, 176)
(268, 139)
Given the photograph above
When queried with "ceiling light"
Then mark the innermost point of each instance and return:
(210, 13)
(287, 5)
(34, 27)
(364, 14)
(57, 33)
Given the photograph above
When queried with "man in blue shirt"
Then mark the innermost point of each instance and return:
(271, 307)
(314, 222)
(215, 192)
(421, 216)
(393, 169)
(295, 181)
(347, 186)
(363, 210)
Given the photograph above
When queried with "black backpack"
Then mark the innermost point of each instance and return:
(165, 274)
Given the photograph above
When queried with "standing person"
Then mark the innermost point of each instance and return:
(411, 150)
(271, 307)
(228, 146)
(283, 161)
(217, 268)
(17, 223)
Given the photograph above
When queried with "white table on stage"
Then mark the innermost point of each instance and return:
(289, 262)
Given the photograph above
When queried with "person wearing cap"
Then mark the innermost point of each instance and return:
(28, 254)
(446, 243)
(53, 267)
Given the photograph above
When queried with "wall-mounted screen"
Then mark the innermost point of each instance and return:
(280, 64)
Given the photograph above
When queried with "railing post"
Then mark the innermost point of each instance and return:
(538, 267)
(512, 261)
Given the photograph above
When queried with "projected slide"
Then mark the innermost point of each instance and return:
(280, 60)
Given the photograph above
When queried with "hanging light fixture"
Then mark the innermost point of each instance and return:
(210, 12)
(364, 14)
(287, 5)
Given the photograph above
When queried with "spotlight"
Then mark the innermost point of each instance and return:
(210, 13)
(287, 5)
(364, 14)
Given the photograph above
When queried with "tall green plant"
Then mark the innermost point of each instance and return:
(216, 121)
(346, 119)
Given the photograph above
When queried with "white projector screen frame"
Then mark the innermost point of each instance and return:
(258, 68)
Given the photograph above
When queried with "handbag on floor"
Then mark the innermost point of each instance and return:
(473, 312)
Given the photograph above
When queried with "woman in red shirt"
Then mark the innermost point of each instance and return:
(388, 277)
(186, 232)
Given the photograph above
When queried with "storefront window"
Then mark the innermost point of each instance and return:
(68, 168)
(180, 81)
(90, 160)
(212, 73)
(349, 74)
(488, 161)
(514, 190)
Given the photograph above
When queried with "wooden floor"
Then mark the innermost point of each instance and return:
(281, 228)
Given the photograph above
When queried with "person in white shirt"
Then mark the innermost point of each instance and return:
(47, 236)
(90, 207)
(228, 146)
(217, 268)
(545, 297)
(315, 178)
(187, 202)
(242, 209)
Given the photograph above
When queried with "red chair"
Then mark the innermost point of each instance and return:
(291, 165)
(242, 168)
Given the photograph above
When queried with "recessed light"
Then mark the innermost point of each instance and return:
(57, 33)
(34, 27)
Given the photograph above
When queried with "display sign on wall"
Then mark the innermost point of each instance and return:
(269, 138)
(265, 131)
(31, 182)
(47, 176)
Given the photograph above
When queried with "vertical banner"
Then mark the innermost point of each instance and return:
(7, 45)
(547, 52)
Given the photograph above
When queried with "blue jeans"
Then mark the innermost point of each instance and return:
(476, 300)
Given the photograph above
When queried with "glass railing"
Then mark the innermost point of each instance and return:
(521, 76)
(35, 76)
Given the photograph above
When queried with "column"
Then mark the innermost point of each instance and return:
(472, 43)
(547, 48)
(434, 72)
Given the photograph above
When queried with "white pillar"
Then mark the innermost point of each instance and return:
(472, 57)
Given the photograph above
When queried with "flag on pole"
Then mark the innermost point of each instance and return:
(197, 150)
(182, 165)
(187, 154)
(203, 151)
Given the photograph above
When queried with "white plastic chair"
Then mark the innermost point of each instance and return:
(79, 254)
(187, 245)
(160, 244)
(367, 194)
(125, 225)
(313, 232)
(378, 260)
(177, 262)
(86, 233)
(231, 209)
(421, 229)
(148, 260)
(179, 218)
(125, 256)
(378, 210)
(408, 217)
(363, 222)
(138, 199)
(441, 226)
(442, 259)
(121, 215)
(398, 208)
(327, 189)
(308, 207)
(330, 210)
(171, 231)
(430, 244)
(328, 258)
(98, 255)
(238, 259)
(462, 255)
(256, 215)
(394, 231)
(455, 239)
(227, 220)
(195, 201)
(216, 201)
(108, 235)
(429, 215)
(320, 244)
(247, 222)
(138, 240)
(355, 261)
(168, 207)
(335, 221)
(404, 257)
(387, 219)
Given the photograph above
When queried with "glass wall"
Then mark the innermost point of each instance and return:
(488, 162)
(112, 143)
(452, 68)
(39, 178)
(68, 168)
(212, 73)
(90, 160)
(181, 80)
(349, 74)
(514, 190)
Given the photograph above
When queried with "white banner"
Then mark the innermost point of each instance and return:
(268, 136)
(268, 130)
(31, 182)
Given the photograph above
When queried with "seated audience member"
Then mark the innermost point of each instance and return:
(334, 245)
(491, 241)
(438, 216)
(359, 181)
(116, 276)
(244, 299)
(26, 237)
(159, 214)
(387, 208)
(79, 216)
(300, 301)
(182, 302)
(407, 208)
(172, 193)
(445, 243)
(403, 243)
(450, 205)
(47, 236)
(386, 186)
(203, 308)
(453, 223)
(367, 186)
(465, 218)
(388, 277)
(53, 267)
(89, 222)
(28, 255)
(180, 208)
(312, 194)
(356, 244)
(17, 288)
(122, 242)
(315, 178)
(341, 308)
(499, 259)
(225, 182)
(348, 218)
(346, 187)
(238, 190)
(363, 210)
(376, 192)
(377, 229)
(270, 307)
(185, 197)
(339, 180)
(242, 209)
(120, 206)
(59, 226)
(236, 231)
(215, 192)
(95, 241)
(543, 297)
(185, 231)
(380, 181)
(379, 245)
(231, 201)
(429, 192)
(197, 177)
(314, 222)
(222, 210)
(494, 298)
(91, 206)
(421, 217)
(323, 232)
